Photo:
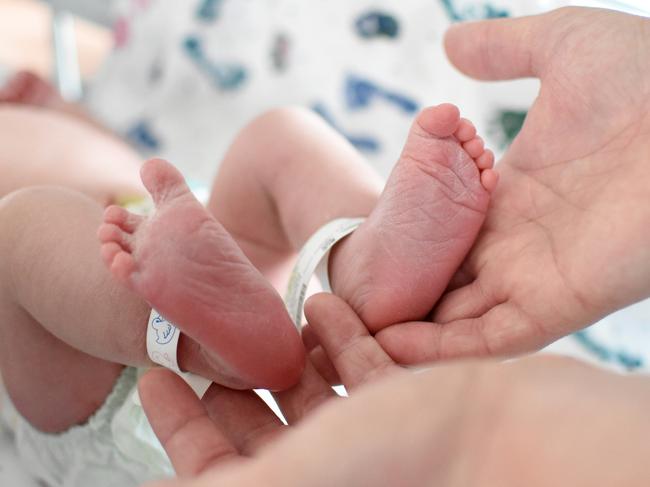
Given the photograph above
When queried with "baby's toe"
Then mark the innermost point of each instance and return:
(466, 131)
(112, 233)
(485, 160)
(474, 147)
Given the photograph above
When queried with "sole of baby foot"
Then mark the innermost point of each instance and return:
(396, 266)
(186, 265)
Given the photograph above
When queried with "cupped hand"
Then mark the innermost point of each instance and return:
(228, 427)
(567, 238)
(543, 421)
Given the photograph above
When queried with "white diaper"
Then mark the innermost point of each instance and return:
(116, 447)
(86, 455)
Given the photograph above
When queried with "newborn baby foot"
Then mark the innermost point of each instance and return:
(396, 266)
(185, 265)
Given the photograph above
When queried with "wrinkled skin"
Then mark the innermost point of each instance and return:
(565, 243)
(567, 238)
(476, 423)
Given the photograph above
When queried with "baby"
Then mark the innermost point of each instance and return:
(68, 331)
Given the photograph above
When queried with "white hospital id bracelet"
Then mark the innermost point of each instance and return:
(162, 346)
(313, 258)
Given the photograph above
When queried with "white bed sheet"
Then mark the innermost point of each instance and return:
(13, 473)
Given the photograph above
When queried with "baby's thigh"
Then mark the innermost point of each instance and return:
(57, 307)
(40, 146)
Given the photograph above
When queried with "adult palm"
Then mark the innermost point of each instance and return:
(467, 423)
(567, 239)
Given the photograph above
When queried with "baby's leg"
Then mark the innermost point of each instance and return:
(56, 300)
(45, 147)
(288, 173)
(183, 262)
(65, 324)
(187, 266)
(285, 175)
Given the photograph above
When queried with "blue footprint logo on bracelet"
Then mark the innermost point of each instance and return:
(164, 330)
(227, 76)
(360, 92)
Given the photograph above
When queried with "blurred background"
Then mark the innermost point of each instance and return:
(26, 36)
(179, 79)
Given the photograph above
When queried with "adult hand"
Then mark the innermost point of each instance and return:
(453, 425)
(229, 425)
(567, 239)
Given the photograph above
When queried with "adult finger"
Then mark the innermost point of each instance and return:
(182, 424)
(470, 301)
(309, 338)
(501, 331)
(499, 49)
(356, 355)
(242, 417)
(462, 277)
(310, 392)
(318, 357)
(322, 363)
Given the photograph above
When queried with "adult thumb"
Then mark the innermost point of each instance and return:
(499, 49)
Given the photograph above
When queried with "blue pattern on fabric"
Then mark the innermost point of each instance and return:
(141, 134)
(360, 92)
(226, 76)
(605, 353)
(377, 24)
(209, 10)
(506, 124)
(473, 12)
(363, 143)
(280, 52)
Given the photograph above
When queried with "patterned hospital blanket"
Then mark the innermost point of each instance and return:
(186, 76)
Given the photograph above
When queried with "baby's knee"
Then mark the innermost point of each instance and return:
(284, 135)
(35, 199)
(16, 206)
(287, 121)
(290, 114)
(34, 205)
